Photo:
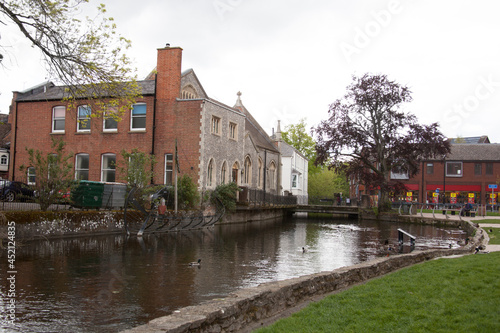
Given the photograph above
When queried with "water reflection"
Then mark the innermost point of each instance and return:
(109, 283)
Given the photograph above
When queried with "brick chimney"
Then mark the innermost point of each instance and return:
(168, 69)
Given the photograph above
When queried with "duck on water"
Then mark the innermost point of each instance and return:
(195, 263)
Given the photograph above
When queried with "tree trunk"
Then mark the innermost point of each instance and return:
(383, 201)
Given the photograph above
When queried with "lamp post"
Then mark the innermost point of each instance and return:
(444, 180)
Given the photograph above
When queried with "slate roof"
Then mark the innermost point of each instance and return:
(259, 136)
(474, 152)
(48, 91)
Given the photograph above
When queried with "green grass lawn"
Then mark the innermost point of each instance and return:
(494, 234)
(488, 221)
(445, 295)
(440, 211)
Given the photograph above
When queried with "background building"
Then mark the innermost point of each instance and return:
(470, 173)
(216, 143)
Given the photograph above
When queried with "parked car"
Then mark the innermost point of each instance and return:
(10, 191)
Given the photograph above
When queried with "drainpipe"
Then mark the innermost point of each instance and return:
(265, 173)
(13, 155)
(154, 130)
(424, 197)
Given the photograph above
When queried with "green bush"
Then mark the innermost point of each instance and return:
(226, 194)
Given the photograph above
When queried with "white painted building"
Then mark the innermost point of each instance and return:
(294, 169)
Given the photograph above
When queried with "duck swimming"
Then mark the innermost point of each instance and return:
(195, 263)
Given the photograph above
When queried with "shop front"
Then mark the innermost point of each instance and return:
(453, 194)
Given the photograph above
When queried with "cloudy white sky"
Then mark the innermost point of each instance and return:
(291, 59)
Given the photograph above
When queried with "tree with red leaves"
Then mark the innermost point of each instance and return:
(367, 135)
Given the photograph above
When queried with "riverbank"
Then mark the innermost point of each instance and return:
(252, 307)
(445, 295)
(33, 225)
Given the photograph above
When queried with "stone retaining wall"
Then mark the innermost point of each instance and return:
(251, 306)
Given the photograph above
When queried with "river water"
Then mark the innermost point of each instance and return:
(110, 283)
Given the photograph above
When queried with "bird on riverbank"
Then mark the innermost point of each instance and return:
(195, 263)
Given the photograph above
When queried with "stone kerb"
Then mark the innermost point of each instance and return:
(252, 305)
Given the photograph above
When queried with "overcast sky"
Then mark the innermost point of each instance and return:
(291, 59)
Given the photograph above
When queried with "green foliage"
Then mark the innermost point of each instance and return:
(327, 182)
(445, 295)
(297, 137)
(138, 169)
(54, 173)
(188, 196)
(187, 193)
(226, 193)
(87, 55)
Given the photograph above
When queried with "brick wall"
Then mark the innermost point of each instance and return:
(34, 130)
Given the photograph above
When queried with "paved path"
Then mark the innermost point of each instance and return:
(483, 224)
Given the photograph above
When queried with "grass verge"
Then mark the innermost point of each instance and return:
(494, 234)
(445, 295)
(492, 221)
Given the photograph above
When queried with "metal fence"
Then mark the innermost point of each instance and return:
(251, 197)
(255, 197)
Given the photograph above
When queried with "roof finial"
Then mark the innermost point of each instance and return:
(238, 101)
(278, 131)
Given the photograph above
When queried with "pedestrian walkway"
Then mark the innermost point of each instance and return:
(483, 224)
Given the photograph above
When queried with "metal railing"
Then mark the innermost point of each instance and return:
(461, 210)
(256, 197)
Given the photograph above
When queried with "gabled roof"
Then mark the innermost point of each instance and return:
(288, 150)
(189, 77)
(259, 136)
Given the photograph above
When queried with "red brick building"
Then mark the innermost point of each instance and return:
(216, 143)
(464, 175)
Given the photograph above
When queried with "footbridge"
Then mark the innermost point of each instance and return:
(323, 209)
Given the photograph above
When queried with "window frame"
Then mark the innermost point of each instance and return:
(295, 180)
(31, 175)
(247, 166)
(478, 169)
(111, 169)
(78, 169)
(459, 170)
(56, 119)
(233, 131)
(489, 169)
(4, 159)
(137, 117)
(210, 173)
(168, 173)
(429, 168)
(399, 172)
(106, 117)
(215, 125)
(80, 120)
(223, 173)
